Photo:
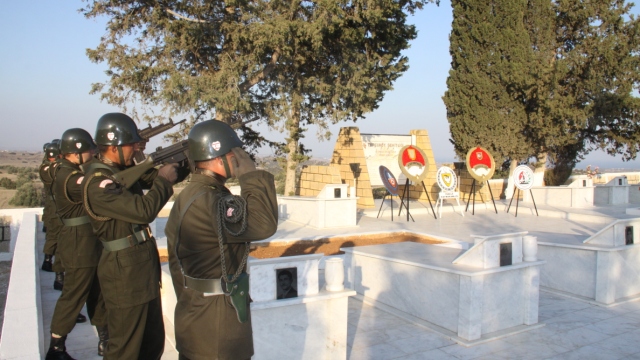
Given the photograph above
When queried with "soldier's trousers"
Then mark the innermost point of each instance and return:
(81, 286)
(51, 243)
(136, 332)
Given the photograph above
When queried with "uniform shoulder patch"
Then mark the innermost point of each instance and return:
(79, 181)
(104, 183)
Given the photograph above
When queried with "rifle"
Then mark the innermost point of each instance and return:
(149, 132)
(176, 153)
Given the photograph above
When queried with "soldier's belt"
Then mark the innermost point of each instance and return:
(134, 239)
(77, 221)
(208, 286)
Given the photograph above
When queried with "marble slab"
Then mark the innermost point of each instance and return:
(421, 281)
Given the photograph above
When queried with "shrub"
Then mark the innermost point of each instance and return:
(7, 183)
(28, 195)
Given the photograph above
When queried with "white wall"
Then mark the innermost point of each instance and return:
(22, 333)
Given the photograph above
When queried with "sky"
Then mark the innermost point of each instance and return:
(45, 78)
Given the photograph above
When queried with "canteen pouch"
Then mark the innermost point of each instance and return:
(238, 293)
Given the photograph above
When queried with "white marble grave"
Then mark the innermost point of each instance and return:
(310, 326)
(602, 269)
(331, 208)
(471, 301)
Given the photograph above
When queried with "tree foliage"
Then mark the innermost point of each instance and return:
(576, 89)
(28, 195)
(7, 183)
(490, 59)
(287, 63)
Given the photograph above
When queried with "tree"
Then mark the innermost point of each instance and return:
(490, 53)
(583, 97)
(28, 195)
(300, 62)
(578, 66)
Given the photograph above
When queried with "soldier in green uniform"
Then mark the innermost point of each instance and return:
(79, 251)
(49, 217)
(129, 267)
(208, 235)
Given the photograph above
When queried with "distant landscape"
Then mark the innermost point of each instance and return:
(10, 160)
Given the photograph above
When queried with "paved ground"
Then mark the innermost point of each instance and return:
(573, 329)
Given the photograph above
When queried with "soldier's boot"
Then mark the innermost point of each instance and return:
(58, 283)
(103, 335)
(80, 318)
(57, 349)
(47, 264)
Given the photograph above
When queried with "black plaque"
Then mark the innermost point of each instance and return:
(628, 235)
(336, 193)
(287, 283)
(505, 254)
(4, 233)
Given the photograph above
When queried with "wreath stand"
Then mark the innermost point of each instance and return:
(405, 196)
(517, 196)
(473, 191)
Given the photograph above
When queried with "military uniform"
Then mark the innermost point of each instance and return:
(207, 327)
(49, 216)
(129, 267)
(79, 252)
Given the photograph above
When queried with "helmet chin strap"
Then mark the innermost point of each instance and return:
(226, 165)
(121, 156)
(80, 159)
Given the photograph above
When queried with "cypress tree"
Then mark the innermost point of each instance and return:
(490, 55)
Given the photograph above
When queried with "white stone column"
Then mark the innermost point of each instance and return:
(470, 307)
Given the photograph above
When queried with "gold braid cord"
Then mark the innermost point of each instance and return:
(86, 198)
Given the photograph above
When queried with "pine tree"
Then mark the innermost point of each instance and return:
(298, 62)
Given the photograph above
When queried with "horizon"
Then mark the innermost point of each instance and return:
(47, 77)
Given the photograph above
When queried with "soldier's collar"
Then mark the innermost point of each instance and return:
(219, 178)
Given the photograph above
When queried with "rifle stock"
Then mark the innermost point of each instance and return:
(176, 153)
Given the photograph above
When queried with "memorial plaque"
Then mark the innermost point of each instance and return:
(382, 150)
(287, 283)
(628, 235)
(506, 254)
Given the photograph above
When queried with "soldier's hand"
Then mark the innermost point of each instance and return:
(240, 162)
(169, 172)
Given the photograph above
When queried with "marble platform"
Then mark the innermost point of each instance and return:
(602, 268)
(470, 304)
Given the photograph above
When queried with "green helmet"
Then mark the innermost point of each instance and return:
(76, 141)
(44, 147)
(116, 129)
(211, 139)
(52, 150)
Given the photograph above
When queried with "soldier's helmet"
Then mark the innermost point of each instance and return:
(44, 147)
(52, 150)
(116, 129)
(76, 141)
(211, 139)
